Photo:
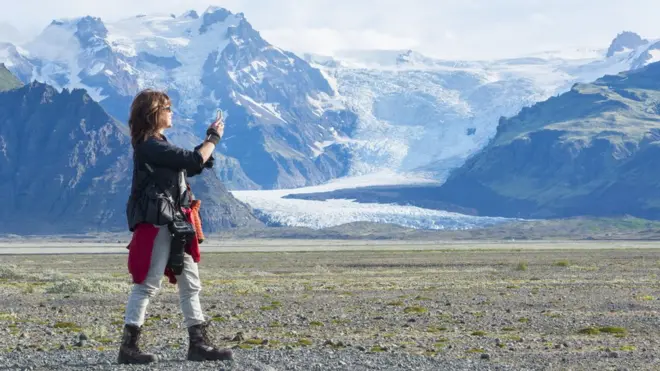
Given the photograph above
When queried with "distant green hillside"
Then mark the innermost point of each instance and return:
(7, 80)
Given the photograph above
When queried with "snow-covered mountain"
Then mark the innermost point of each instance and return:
(277, 107)
(427, 115)
(294, 122)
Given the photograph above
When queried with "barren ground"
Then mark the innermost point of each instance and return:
(559, 307)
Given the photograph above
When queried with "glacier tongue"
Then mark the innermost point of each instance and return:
(323, 214)
(277, 210)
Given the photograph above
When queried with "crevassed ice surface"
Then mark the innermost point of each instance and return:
(422, 114)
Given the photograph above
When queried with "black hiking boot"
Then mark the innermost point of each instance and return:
(129, 351)
(200, 347)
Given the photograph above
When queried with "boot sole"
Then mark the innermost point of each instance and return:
(200, 358)
(123, 361)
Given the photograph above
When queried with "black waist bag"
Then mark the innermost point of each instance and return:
(181, 231)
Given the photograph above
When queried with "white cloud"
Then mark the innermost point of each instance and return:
(326, 41)
(9, 33)
(448, 28)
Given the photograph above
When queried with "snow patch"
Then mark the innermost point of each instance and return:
(655, 56)
(320, 147)
(323, 102)
(260, 109)
(257, 65)
(273, 109)
(624, 52)
(212, 9)
(255, 71)
(98, 67)
(5, 58)
(332, 81)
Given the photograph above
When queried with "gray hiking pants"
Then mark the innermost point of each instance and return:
(188, 283)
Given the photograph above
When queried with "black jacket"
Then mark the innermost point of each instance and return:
(171, 165)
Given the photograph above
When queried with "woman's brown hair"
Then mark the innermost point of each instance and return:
(147, 114)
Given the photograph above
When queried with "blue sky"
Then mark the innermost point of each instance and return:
(444, 28)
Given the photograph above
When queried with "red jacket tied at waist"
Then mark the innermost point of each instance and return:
(141, 247)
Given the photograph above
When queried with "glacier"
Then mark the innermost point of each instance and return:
(275, 210)
(417, 113)
(419, 118)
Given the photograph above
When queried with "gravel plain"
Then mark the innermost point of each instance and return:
(471, 308)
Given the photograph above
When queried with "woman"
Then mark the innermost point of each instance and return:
(159, 172)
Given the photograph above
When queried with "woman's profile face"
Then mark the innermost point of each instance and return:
(167, 116)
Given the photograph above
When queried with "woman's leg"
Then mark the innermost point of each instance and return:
(138, 301)
(189, 289)
(141, 293)
(200, 347)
